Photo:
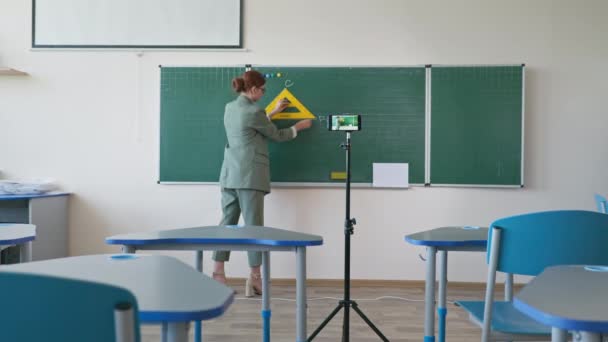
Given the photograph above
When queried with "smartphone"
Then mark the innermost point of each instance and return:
(344, 122)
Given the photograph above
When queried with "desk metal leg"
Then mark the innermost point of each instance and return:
(177, 332)
(558, 335)
(429, 296)
(25, 252)
(164, 332)
(509, 287)
(301, 294)
(198, 325)
(266, 313)
(590, 337)
(442, 310)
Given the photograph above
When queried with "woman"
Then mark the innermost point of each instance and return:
(245, 175)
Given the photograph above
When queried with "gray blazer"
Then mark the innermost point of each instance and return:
(246, 163)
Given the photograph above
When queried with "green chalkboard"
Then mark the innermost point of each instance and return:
(476, 125)
(391, 101)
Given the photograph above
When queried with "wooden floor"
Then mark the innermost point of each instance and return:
(399, 320)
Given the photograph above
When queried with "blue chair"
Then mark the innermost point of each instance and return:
(602, 205)
(527, 244)
(43, 308)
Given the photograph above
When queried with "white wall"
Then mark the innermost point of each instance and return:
(90, 119)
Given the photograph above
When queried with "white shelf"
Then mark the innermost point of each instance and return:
(11, 72)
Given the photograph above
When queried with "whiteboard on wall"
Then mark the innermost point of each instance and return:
(137, 23)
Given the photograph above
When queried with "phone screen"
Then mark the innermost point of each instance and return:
(345, 123)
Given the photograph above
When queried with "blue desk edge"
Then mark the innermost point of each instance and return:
(15, 197)
(17, 241)
(480, 243)
(292, 243)
(559, 322)
(158, 317)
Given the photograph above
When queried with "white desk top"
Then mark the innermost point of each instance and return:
(14, 234)
(167, 290)
(567, 297)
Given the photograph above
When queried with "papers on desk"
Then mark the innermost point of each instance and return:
(391, 175)
(33, 187)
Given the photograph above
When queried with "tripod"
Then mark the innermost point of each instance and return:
(347, 303)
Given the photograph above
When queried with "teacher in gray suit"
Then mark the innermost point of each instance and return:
(245, 174)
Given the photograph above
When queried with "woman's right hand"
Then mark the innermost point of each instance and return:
(281, 105)
(303, 124)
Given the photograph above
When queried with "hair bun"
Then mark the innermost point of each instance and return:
(249, 80)
(238, 84)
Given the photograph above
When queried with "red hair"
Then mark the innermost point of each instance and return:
(249, 80)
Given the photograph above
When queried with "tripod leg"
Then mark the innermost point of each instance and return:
(346, 322)
(346, 326)
(331, 315)
(369, 323)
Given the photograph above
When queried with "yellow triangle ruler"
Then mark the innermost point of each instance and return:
(301, 112)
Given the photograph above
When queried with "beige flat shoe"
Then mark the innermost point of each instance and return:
(253, 285)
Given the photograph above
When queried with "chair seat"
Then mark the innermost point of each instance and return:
(505, 318)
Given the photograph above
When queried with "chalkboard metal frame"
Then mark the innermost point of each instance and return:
(303, 185)
(427, 127)
(147, 47)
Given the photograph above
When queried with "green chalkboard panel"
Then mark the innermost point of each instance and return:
(476, 125)
(192, 137)
(391, 101)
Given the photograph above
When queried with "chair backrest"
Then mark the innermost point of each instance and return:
(602, 205)
(531, 242)
(43, 308)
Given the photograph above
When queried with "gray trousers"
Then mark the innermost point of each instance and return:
(251, 204)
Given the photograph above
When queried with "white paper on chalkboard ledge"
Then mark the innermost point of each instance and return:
(391, 175)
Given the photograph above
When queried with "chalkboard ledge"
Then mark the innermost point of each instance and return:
(302, 185)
